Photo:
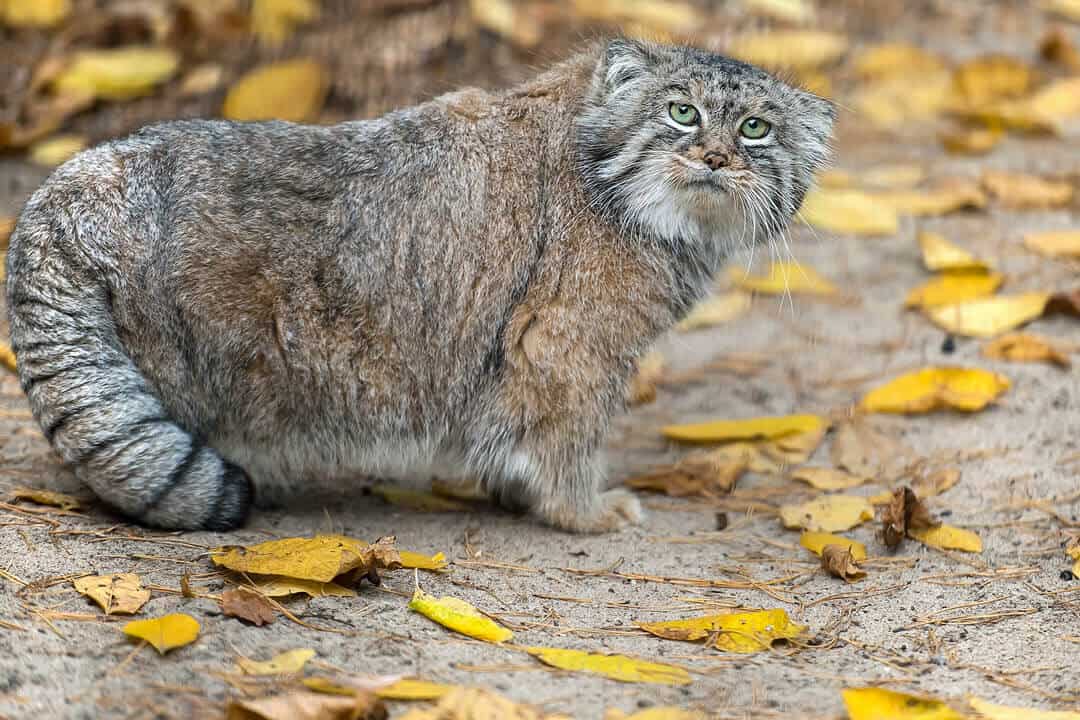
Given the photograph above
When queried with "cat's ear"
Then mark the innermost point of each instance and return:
(624, 61)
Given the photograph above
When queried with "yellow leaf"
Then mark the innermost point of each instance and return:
(286, 663)
(948, 537)
(748, 429)
(935, 483)
(933, 388)
(848, 211)
(882, 704)
(941, 255)
(1021, 347)
(290, 90)
(1023, 191)
(321, 558)
(661, 16)
(1055, 243)
(616, 667)
(784, 278)
(660, 712)
(894, 176)
(459, 616)
(413, 689)
(822, 478)
(990, 711)
(122, 593)
(896, 100)
(7, 357)
(508, 19)
(1066, 8)
(279, 586)
(417, 499)
(790, 49)
(831, 513)
(1060, 100)
(745, 632)
(972, 141)
(272, 21)
(991, 77)
(954, 287)
(34, 13)
(423, 562)
(988, 317)
(793, 449)
(947, 197)
(793, 11)
(46, 497)
(308, 706)
(815, 542)
(891, 59)
(716, 311)
(117, 73)
(56, 150)
(462, 703)
(165, 632)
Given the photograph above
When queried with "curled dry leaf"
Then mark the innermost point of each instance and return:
(904, 513)
(784, 278)
(880, 704)
(951, 288)
(56, 150)
(47, 497)
(321, 558)
(616, 667)
(745, 632)
(650, 370)
(790, 49)
(1021, 347)
(823, 478)
(947, 537)
(308, 706)
(1023, 191)
(816, 542)
(987, 317)
(477, 704)
(935, 388)
(1055, 243)
(121, 594)
(837, 560)
(1066, 303)
(289, 662)
(291, 90)
(940, 255)
(459, 616)
(247, 605)
(708, 473)
(990, 711)
(716, 311)
(166, 632)
(848, 211)
(831, 513)
(116, 73)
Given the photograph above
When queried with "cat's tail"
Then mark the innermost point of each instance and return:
(94, 405)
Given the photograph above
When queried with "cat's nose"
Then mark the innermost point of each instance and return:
(715, 160)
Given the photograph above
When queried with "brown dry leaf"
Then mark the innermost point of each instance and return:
(743, 632)
(990, 78)
(823, 478)
(1055, 243)
(708, 473)
(935, 388)
(321, 558)
(837, 560)
(862, 449)
(1057, 47)
(987, 317)
(116, 73)
(247, 605)
(790, 49)
(946, 197)
(972, 141)
(816, 542)
(940, 255)
(1072, 549)
(716, 311)
(477, 704)
(935, 483)
(34, 13)
(952, 288)
(273, 21)
(291, 90)
(905, 512)
(616, 667)
(848, 211)
(56, 150)
(308, 706)
(1023, 191)
(784, 278)
(650, 370)
(165, 633)
(122, 593)
(1022, 347)
(1066, 303)
(289, 662)
(891, 59)
(47, 497)
(831, 513)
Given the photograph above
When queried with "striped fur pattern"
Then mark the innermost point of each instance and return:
(208, 314)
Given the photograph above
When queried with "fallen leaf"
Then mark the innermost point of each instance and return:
(863, 449)
(831, 513)
(1072, 549)
(716, 311)
(745, 632)
(894, 176)
(201, 80)
(116, 73)
(816, 542)
(290, 90)
(650, 370)
(321, 558)
(891, 59)
(652, 15)
(459, 616)
(823, 478)
(894, 101)
(792, 449)
(273, 21)
(935, 388)
(423, 562)
(837, 560)
(935, 483)
(784, 278)
(793, 11)
(987, 317)
(308, 706)
(279, 586)
(790, 49)
(972, 141)
(56, 150)
(1069, 9)
(417, 500)
(903, 514)
(1023, 191)
(477, 704)
(990, 711)
(1066, 303)
(1021, 347)
(948, 537)
(121, 594)
(940, 255)
(47, 497)
(708, 473)
(848, 211)
(289, 662)
(393, 688)
(616, 667)
(769, 427)
(951, 288)
(34, 13)
(509, 20)
(984, 80)
(7, 226)
(946, 197)
(247, 605)
(880, 704)
(166, 632)
(1055, 243)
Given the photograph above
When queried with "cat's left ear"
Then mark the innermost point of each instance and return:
(625, 61)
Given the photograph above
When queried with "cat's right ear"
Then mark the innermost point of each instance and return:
(624, 61)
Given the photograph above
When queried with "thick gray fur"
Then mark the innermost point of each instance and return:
(206, 312)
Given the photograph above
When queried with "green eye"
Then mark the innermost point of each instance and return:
(754, 128)
(683, 114)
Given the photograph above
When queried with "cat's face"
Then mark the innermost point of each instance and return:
(676, 141)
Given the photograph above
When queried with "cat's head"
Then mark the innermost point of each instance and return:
(678, 142)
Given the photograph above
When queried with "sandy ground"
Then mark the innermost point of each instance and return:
(1003, 625)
